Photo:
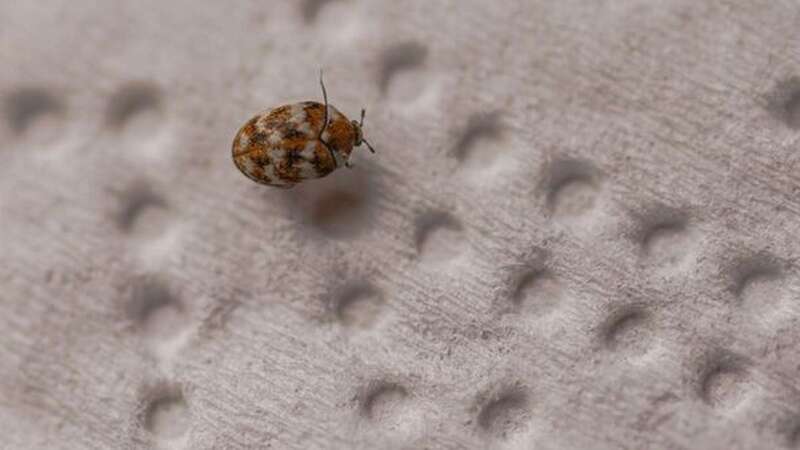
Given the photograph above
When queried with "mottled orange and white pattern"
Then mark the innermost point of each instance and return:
(283, 146)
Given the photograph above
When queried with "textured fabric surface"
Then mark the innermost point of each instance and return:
(580, 229)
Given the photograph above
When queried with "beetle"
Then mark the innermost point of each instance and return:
(296, 142)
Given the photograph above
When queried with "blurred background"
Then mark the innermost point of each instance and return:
(579, 229)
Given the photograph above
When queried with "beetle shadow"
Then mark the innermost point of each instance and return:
(338, 206)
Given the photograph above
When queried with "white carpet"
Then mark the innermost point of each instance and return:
(580, 229)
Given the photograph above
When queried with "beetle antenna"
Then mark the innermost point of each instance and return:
(361, 124)
(368, 145)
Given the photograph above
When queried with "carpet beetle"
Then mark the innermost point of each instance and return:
(291, 143)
